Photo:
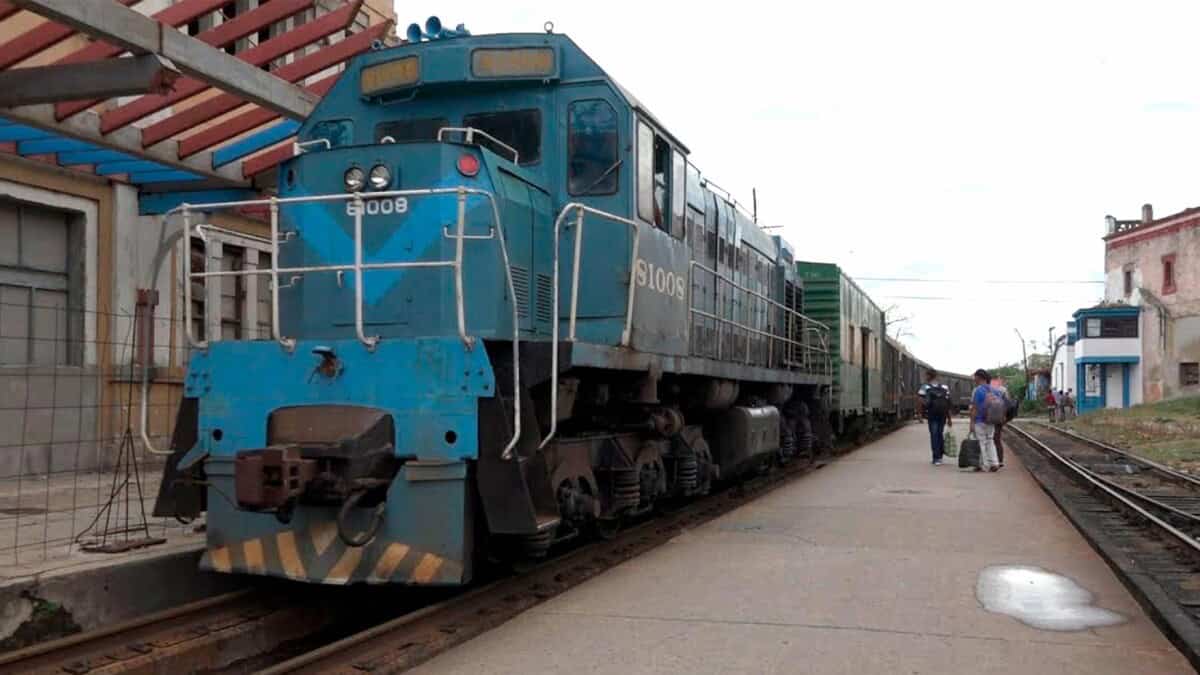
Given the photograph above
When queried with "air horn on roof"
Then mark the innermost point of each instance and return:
(434, 31)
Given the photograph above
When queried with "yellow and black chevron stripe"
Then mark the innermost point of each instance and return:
(317, 555)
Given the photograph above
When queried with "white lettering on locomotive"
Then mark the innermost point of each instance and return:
(649, 275)
(379, 207)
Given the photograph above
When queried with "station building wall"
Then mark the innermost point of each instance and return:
(77, 253)
(1155, 264)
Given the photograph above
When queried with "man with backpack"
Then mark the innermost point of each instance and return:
(987, 410)
(1011, 406)
(935, 398)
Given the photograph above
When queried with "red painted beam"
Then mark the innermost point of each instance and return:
(7, 9)
(43, 36)
(264, 53)
(298, 69)
(242, 123)
(267, 160)
(176, 15)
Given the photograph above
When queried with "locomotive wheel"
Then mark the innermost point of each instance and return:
(608, 528)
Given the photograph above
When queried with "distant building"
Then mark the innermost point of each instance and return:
(1062, 371)
(1152, 266)
(1108, 357)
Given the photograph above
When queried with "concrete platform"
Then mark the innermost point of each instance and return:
(869, 565)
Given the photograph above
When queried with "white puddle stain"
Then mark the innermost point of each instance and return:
(1041, 599)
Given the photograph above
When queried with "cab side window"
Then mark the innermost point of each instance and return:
(593, 164)
(645, 173)
(656, 196)
(678, 183)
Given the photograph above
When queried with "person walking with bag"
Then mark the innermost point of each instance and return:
(936, 399)
(987, 410)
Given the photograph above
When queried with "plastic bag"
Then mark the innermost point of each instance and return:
(950, 444)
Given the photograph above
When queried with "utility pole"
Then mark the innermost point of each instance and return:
(1024, 362)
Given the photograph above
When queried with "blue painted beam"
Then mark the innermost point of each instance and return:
(160, 202)
(162, 176)
(93, 157)
(43, 146)
(129, 166)
(22, 133)
(255, 142)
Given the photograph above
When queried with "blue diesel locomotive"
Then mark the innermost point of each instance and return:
(507, 310)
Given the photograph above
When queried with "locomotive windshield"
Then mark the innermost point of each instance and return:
(410, 130)
(520, 129)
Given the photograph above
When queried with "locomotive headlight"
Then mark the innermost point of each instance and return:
(354, 179)
(380, 177)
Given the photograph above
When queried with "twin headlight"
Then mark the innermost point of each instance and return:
(355, 179)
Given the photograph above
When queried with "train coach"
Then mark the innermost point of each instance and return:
(506, 311)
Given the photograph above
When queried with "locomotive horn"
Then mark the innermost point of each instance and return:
(433, 27)
(414, 33)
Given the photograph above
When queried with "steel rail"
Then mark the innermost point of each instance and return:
(1119, 494)
(25, 659)
(1119, 451)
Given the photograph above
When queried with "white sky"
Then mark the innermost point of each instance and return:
(936, 139)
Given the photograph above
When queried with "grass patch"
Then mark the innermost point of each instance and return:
(1167, 432)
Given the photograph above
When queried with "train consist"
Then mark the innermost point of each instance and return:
(507, 310)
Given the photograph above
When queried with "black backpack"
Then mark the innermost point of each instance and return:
(937, 401)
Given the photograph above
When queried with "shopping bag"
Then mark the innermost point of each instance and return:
(968, 452)
(950, 444)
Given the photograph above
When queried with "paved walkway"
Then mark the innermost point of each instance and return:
(870, 565)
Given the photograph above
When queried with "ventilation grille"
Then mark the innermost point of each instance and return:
(520, 279)
(545, 298)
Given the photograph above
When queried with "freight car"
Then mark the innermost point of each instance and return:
(506, 310)
(903, 375)
(856, 326)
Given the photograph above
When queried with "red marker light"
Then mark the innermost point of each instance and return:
(468, 165)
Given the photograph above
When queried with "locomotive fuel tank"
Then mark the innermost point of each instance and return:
(742, 438)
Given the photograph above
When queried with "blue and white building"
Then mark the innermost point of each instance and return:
(1107, 350)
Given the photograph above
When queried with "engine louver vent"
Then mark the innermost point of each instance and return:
(545, 298)
(520, 279)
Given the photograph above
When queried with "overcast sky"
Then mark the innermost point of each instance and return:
(947, 140)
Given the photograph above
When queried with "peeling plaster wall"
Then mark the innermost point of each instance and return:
(1170, 322)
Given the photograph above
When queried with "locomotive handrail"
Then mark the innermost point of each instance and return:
(807, 323)
(471, 132)
(582, 210)
(186, 210)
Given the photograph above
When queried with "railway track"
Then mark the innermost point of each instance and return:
(325, 629)
(203, 634)
(1143, 518)
(1172, 495)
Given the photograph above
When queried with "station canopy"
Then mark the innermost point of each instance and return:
(144, 102)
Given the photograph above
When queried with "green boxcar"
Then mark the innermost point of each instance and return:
(856, 340)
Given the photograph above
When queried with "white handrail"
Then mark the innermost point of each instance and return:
(471, 132)
(625, 331)
(358, 267)
(807, 323)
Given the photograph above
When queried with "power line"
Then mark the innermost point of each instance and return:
(982, 299)
(981, 281)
